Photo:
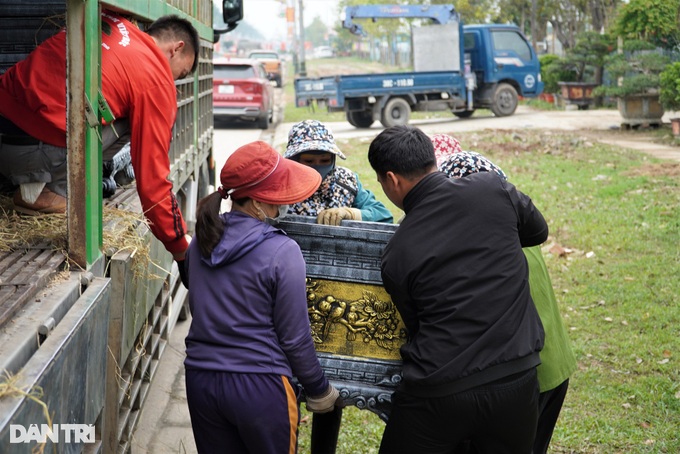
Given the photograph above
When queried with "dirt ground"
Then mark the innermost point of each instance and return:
(601, 125)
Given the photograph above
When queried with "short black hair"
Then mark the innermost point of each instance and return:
(402, 149)
(173, 27)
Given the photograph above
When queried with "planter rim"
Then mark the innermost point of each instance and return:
(579, 84)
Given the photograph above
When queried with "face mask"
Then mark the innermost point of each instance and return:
(263, 216)
(282, 211)
(324, 170)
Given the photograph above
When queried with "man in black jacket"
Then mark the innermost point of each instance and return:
(456, 272)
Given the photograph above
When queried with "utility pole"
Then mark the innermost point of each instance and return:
(534, 25)
(303, 67)
(292, 36)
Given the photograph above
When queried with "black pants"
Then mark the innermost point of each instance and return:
(325, 431)
(549, 407)
(497, 418)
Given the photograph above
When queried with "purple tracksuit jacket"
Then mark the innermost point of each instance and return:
(249, 307)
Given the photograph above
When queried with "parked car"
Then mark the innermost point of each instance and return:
(324, 52)
(241, 90)
(272, 63)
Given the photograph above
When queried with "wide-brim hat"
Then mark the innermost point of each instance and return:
(464, 163)
(311, 135)
(259, 172)
(444, 146)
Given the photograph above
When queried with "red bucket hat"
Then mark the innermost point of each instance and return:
(257, 171)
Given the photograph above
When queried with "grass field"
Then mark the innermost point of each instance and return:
(614, 257)
(614, 216)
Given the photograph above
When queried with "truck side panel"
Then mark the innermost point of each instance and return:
(336, 90)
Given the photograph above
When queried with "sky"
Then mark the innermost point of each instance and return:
(264, 15)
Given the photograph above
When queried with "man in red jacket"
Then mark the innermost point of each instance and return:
(138, 81)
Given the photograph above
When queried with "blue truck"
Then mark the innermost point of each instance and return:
(490, 67)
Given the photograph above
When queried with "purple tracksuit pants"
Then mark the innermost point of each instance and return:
(242, 413)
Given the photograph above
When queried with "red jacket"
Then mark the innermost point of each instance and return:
(137, 83)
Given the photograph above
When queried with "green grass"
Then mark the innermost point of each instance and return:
(618, 213)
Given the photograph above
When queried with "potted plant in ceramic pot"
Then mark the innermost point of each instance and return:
(585, 63)
(669, 80)
(635, 82)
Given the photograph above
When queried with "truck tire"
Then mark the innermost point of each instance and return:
(504, 100)
(464, 113)
(263, 122)
(396, 112)
(360, 119)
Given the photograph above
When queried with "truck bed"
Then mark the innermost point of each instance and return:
(335, 89)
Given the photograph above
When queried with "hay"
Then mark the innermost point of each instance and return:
(20, 232)
(9, 388)
(122, 232)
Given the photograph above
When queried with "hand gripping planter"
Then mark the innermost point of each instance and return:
(356, 327)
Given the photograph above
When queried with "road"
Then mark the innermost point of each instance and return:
(598, 124)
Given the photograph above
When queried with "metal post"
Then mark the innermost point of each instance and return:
(84, 157)
(303, 66)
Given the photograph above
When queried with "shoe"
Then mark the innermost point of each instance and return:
(47, 203)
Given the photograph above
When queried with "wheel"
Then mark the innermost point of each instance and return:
(396, 112)
(464, 113)
(360, 119)
(278, 81)
(504, 100)
(263, 122)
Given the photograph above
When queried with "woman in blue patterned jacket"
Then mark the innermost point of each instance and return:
(341, 194)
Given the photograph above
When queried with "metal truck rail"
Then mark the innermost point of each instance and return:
(81, 338)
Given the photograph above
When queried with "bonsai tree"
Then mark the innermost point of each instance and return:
(669, 80)
(586, 59)
(640, 65)
(553, 71)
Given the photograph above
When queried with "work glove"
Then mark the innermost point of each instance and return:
(334, 216)
(325, 402)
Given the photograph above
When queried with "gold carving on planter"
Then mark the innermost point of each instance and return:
(354, 319)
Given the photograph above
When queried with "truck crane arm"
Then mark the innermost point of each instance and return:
(439, 14)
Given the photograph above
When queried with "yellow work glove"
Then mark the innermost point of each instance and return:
(334, 216)
(326, 402)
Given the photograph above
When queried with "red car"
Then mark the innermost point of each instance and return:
(241, 90)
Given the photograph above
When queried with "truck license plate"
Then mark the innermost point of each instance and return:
(226, 89)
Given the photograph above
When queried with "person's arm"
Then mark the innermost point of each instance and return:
(152, 116)
(531, 225)
(372, 210)
(291, 319)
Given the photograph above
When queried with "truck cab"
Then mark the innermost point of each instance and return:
(504, 65)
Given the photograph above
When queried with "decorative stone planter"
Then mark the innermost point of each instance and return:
(640, 110)
(578, 93)
(675, 126)
(547, 97)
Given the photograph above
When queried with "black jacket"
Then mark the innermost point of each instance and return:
(456, 272)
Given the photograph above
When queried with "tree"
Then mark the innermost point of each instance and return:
(317, 32)
(655, 21)
(572, 17)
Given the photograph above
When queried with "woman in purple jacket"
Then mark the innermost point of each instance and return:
(250, 331)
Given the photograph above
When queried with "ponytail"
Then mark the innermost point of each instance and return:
(209, 226)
